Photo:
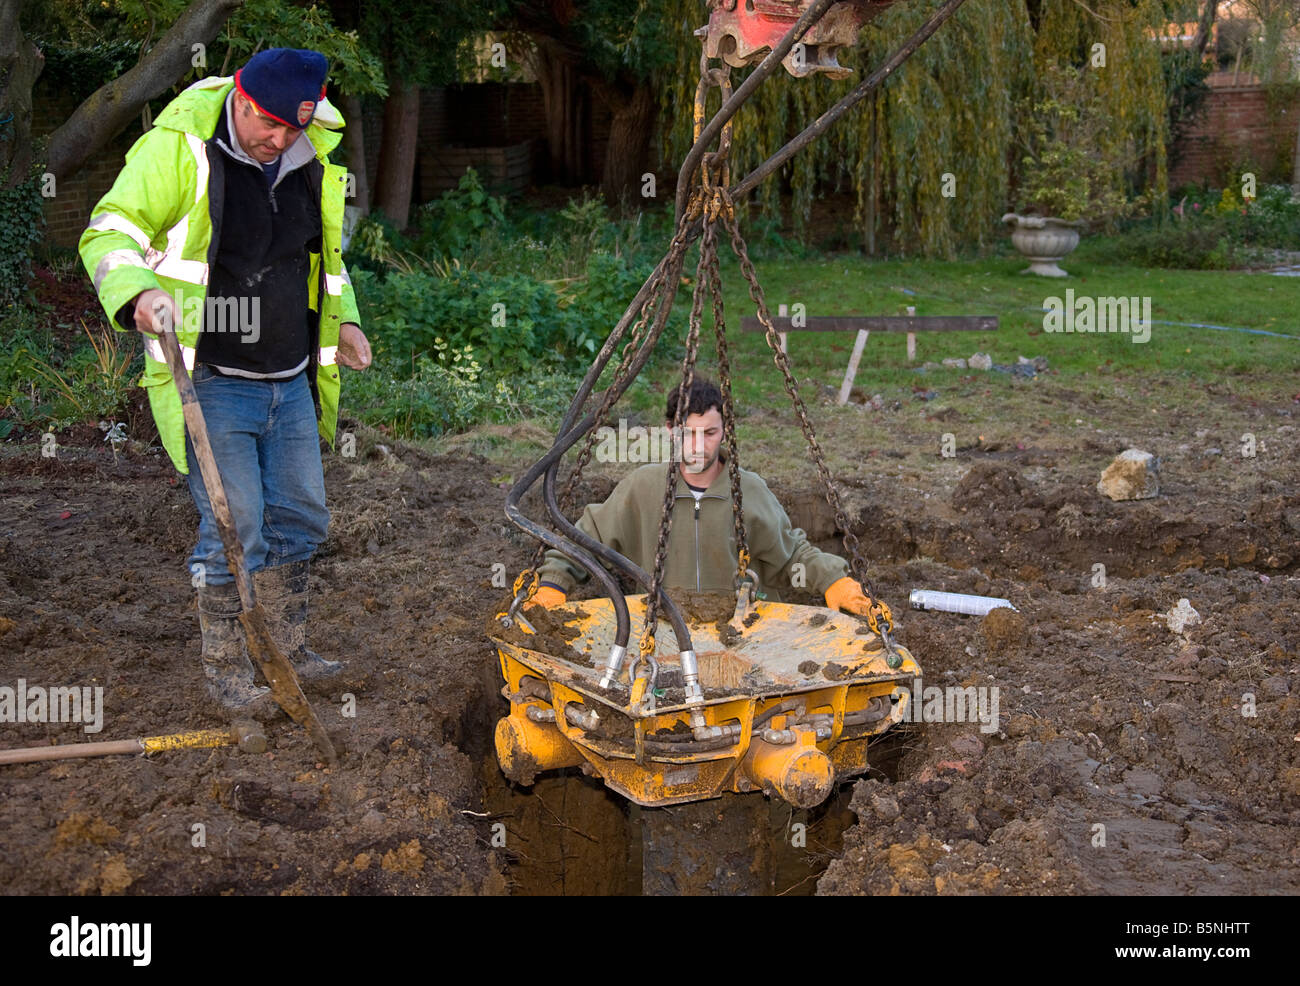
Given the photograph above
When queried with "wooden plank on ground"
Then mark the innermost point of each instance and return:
(878, 323)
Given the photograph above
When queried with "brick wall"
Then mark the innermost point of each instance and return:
(1237, 128)
(493, 127)
(499, 128)
(68, 211)
(502, 170)
(491, 114)
(472, 124)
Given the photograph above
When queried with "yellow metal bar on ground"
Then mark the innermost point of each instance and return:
(187, 741)
(196, 739)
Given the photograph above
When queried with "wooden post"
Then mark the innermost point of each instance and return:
(782, 312)
(911, 336)
(852, 371)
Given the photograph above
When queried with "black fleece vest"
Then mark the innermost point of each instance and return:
(256, 318)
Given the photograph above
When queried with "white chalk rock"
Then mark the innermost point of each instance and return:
(980, 361)
(1181, 617)
(1134, 475)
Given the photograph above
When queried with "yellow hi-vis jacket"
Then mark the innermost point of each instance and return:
(154, 229)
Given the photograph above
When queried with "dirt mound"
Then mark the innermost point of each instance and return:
(1004, 629)
(1128, 759)
(1004, 521)
(992, 486)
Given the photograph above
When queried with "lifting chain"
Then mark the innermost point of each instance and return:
(712, 202)
(527, 582)
(708, 246)
(879, 617)
(709, 199)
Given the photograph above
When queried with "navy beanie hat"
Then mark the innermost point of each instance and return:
(285, 84)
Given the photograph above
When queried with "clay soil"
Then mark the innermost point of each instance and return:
(1122, 762)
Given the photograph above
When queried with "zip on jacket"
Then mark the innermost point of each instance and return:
(628, 522)
(699, 579)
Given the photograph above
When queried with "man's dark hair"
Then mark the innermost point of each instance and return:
(702, 395)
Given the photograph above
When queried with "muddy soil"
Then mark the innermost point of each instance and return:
(94, 592)
(1124, 759)
(1129, 759)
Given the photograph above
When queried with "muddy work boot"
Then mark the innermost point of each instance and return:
(282, 591)
(231, 680)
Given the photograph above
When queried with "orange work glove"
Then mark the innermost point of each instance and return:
(844, 594)
(546, 596)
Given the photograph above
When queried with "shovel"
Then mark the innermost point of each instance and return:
(279, 673)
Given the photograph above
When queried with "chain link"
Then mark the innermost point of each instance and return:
(728, 418)
(648, 308)
(879, 612)
(714, 203)
(708, 249)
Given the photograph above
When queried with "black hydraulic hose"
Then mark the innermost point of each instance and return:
(788, 705)
(615, 337)
(694, 746)
(593, 374)
(611, 557)
(623, 628)
(689, 234)
(562, 444)
(765, 68)
(671, 610)
(516, 516)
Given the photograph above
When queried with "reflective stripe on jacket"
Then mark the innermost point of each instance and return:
(154, 229)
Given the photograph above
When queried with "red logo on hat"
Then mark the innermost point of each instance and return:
(305, 109)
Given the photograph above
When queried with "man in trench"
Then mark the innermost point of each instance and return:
(224, 226)
(702, 554)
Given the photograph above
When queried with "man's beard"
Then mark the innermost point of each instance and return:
(688, 466)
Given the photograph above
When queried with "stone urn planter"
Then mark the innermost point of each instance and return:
(1045, 241)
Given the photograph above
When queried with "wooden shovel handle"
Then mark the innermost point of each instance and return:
(275, 666)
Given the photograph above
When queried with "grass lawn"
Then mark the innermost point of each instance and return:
(1179, 378)
(855, 286)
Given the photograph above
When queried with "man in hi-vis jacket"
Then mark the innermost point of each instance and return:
(226, 224)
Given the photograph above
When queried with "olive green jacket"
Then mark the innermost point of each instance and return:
(154, 229)
(702, 545)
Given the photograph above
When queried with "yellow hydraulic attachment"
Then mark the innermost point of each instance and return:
(791, 696)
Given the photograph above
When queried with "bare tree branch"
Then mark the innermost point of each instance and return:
(108, 110)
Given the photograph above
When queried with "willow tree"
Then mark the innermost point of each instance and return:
(1120, 57)
(931, 159)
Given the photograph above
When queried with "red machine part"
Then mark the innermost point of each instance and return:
(741, 32)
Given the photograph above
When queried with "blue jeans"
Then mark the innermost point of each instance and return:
(264, 438)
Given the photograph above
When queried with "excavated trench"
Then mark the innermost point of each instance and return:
(1098, 696)
(567, 834)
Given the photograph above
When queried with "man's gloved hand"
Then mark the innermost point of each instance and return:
(845, 594)
(546, 596)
